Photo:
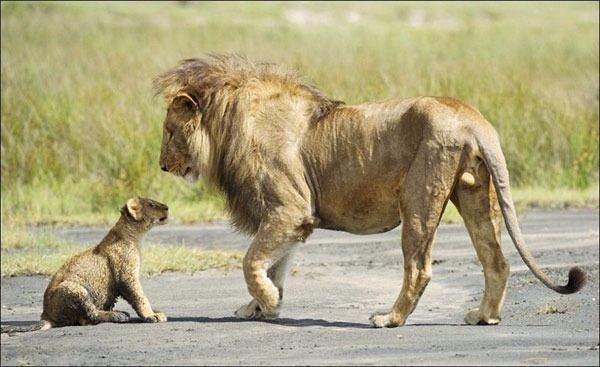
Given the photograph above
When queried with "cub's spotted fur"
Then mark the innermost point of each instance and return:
(87, 286)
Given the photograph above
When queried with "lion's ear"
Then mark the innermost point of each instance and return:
(185, 101)
(134, 208)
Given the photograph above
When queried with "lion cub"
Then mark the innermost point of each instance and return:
(86, 287)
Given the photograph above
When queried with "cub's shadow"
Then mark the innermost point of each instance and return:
(279, 321)
(19, 323)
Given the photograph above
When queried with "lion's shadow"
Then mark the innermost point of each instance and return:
(279, 321)
(218, 320)
(210, 320)
(315, 322)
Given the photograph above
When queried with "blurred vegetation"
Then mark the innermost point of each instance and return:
(81, 130)
(27, 252)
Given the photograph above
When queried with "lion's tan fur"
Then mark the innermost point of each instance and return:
(290, 159)
(226, 87)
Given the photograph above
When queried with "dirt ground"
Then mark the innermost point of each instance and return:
(337, 281)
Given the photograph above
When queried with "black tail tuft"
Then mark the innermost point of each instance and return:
(577, 279)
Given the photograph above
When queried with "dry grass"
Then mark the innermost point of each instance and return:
(549, 309)
(158, 259)
(32, 253)
(81, 131)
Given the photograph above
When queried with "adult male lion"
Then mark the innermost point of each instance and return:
(289, 159)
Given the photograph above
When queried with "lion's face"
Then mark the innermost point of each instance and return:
(180, 149)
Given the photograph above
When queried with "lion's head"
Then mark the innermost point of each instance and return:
(204, 98)
(227, 119)
(184, 145)
(195, 91)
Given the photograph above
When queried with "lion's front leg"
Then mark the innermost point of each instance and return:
(265, 266)
(277, 274)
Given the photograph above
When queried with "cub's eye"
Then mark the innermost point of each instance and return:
(152, 205)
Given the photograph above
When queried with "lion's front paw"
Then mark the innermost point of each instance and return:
(119, 316)
(249, 311)
(383, 319)
(252, 311)
(474, 317)
(158, 316)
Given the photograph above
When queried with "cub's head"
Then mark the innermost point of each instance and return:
(184, 144)
(145, 212)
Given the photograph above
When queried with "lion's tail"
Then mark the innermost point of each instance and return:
(489, 146)
(41, 325)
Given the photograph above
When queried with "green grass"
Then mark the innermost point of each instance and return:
(27, 253)
(16, 238)
(81, 131)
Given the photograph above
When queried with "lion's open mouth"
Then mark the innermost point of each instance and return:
(187, 171)
(163, 220)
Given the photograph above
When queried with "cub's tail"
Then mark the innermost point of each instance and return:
(42, 325)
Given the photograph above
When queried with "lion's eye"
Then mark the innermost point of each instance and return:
(169, 134)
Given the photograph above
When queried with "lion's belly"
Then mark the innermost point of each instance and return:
(370, 207)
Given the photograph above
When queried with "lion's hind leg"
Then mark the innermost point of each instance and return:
(478, 206)
(425, 193)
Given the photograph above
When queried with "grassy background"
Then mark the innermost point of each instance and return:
(81, 131)
(42, 253)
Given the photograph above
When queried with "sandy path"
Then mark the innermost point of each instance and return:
(339, 280)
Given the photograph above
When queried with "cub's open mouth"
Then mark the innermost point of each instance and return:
(163, 220)
(187, 170)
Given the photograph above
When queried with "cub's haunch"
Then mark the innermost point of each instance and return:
(84, 290)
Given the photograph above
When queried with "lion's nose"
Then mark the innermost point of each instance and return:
(164, 167)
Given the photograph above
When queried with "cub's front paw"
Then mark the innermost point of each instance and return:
(158, 316)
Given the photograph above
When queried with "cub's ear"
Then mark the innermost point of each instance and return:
(134, 208)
